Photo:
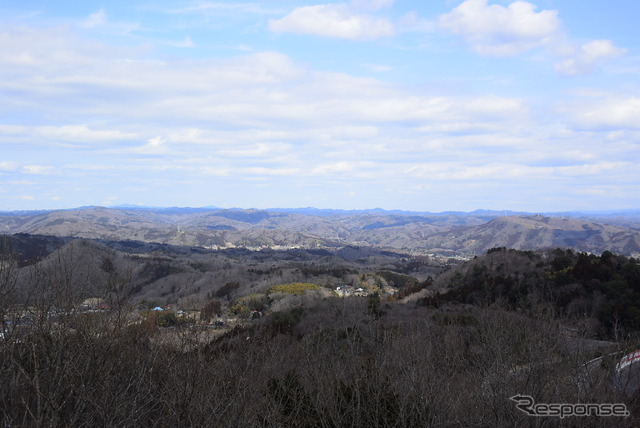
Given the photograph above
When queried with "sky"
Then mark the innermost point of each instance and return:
(416, 105)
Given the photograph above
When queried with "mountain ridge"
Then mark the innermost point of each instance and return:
(442, 233)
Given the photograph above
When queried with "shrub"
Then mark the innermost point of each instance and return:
(167, 319)
(240, 309)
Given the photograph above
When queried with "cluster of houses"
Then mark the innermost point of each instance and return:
(93, 304)
(349, 290)
(171, 308)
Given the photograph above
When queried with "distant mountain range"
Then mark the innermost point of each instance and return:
(452, 233)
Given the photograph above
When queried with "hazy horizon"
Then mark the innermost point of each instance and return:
(403, 105)
(330, 210)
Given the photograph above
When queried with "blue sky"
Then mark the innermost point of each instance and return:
(414, 105)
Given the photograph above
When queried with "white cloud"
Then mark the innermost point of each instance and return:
(589, 55)
(495, 30)
(220, 7)
(95, 19)
(235, 110)
(156, 142)
(239, 106)
(154, 146)
(606, 112)
(262, 150)
(337, 167)
(37, 169)
(264, 116)
(370, 5)
(8, 166)
(446, 171)
(22, 183)
(186, 43)
(600, 191)
(66, 133)
(99, 23)
(591, 169)
(501, 31)
(215, 171)
(332, 20)
(352, 169)
(256, 91)
(262, 171)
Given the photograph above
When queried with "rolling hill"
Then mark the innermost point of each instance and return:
(445, 233)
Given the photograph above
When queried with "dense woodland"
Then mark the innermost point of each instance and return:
(601, 293)
(432, 342)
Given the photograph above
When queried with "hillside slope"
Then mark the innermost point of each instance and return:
(450, 233)
(536, 232)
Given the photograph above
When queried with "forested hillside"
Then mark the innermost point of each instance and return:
(600, 293)
(461, 234)
(355, 336)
